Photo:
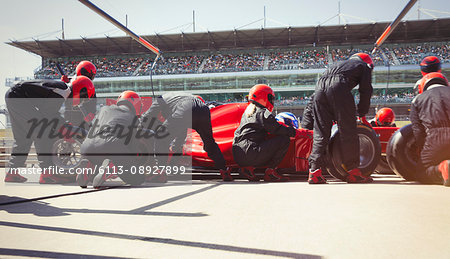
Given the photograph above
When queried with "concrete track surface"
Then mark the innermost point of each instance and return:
(390, 218)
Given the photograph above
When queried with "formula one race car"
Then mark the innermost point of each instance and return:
(226, 118)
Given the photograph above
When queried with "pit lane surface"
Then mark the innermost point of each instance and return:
(390, 218)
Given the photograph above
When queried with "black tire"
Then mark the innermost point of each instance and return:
(370, 153)
(383, 167)
(402, 154)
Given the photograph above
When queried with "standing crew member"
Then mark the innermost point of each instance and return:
(430, 119)
(252, 145)
(181, 111)
(25, 104)
(333, 101)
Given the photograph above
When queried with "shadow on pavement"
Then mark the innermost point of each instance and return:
(168, 241)
(38, 208)
(46, 254)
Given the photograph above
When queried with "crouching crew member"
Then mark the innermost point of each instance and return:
(333, 101)
(25, 104)
(252, 145)
(181, 111)
(430, 118)
(384, 117)
(112, 140)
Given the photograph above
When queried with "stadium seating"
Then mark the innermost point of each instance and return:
(290, 59)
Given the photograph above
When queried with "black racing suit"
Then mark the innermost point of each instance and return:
(33, 109)
(308, 115)
(252, 145)
(430, 118)
(113, 135)
(333, 101)
(182, 111)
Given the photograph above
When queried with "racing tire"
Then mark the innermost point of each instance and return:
(402, 154)
(369, 149)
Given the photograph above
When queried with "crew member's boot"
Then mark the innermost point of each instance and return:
(226, 175)
(87, 175)
(316, 177)
(249, 173)
(444, 168)
(157, 176)
(12, 176)
(105, 172)
(49, 177)
(355, 176)
(271, 175)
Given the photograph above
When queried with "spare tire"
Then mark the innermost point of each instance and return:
(402, 154)
(369, 152)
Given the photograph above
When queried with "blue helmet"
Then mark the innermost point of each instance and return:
(288, 118)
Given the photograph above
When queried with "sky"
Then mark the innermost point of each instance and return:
(28, 20)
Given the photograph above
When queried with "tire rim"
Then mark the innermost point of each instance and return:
(366, 151)
(66, 154)
(366, 154)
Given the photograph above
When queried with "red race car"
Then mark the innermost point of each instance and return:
(226, 118)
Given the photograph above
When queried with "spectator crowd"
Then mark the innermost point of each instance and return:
(319, 57)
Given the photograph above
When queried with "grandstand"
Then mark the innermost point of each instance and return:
(223, 65)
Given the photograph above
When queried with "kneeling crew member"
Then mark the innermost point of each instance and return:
(252, 145)
(112, 139)
(430, 119)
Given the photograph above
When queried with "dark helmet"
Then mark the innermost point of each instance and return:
(133, 98)
(82, 87)
(430, 64)
(364, 57)
(263, 95)
(385, 117)
(86, 68)
(431, 79)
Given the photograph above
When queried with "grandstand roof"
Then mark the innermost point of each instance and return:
(406, 32)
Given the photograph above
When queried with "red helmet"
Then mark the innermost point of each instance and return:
(430, 64)
(86, 68)
(364, 57)
(431, 79)
(199, 97)
(385, 117)
(133, 98)
(82, 87)
(263, 95)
